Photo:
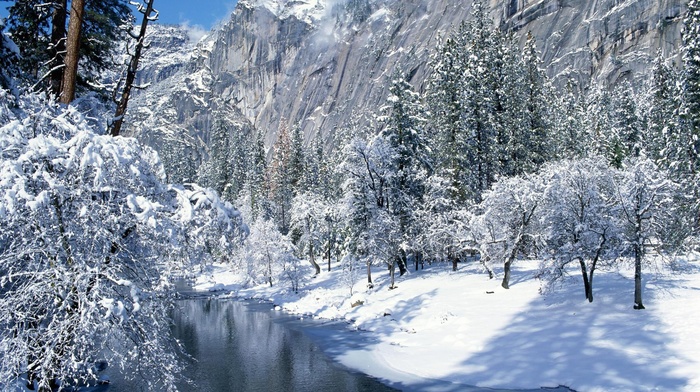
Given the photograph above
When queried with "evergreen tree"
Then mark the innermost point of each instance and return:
(215, 172)
(404, 132)
(297, 160)
(445, 103)
(661, 115)
(281, 180)
(690, 93)
(39, 29)
(570, 138)
(538, 113)
(257, 185)
(626, 124)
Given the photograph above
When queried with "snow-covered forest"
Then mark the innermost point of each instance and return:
(490, 165)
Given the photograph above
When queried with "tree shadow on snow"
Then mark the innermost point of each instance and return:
(562, 339)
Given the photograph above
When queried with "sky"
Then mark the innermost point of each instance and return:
(202, 13)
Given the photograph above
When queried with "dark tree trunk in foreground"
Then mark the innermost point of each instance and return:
(70, 73)
(369, 275)
(588, 290)
(133, 67)
(638, 278)
(392, 273)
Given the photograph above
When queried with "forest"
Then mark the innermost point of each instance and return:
(489, 163)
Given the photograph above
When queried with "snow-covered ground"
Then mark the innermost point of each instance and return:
(463, 328)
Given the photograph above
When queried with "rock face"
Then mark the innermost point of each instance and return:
(323, 63)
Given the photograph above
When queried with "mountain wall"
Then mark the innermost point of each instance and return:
(322, 63)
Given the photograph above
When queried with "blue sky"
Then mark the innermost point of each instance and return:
(204, 13)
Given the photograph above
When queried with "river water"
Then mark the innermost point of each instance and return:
(247, 346)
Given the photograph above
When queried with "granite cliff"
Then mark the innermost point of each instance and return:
(320, 63)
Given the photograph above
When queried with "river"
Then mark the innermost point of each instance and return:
(247, 346)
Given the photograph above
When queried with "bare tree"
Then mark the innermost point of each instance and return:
(149, 14)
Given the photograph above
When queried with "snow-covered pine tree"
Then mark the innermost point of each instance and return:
(690, 87)
(281, 180)
(297, 160)
(570, 139)
(660, 113)
(257, 180)
(405, 131)
(626, 132)
(216, 171)
(538, 109)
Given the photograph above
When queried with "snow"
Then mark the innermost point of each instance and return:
(442, 328)
(307, 11)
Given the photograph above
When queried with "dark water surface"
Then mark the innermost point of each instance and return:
(247, 346)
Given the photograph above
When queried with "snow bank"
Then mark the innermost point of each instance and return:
(463, 328)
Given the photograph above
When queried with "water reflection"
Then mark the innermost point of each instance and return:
(239, 346)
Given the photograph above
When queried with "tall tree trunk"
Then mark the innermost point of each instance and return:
(58, 45)
(131, 71)
(638, 277)
(70, 73)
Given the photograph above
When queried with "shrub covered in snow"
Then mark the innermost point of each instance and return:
(89, 237)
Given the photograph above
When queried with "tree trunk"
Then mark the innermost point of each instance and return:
(638, 277)
(131, 72)
(506, 266)
(586, 282)
(506, 274)
(70, 73)
(329, 254)
(369, 275)
(392, 272)
(486, 267)
(419, 259)
(312, 260)
(58, 45)
(453, 259)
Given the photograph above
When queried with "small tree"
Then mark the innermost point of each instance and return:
(508, 224)
(308, 219)
(578, 219)
(647, 206)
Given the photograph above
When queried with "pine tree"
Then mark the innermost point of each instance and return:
(28, 24)
(216, 171)
(297, 160)
(445, 102)
(281, 181)
(569, 135)
(660, 115)
(538, 138)
(690, 93)
(405, 133)
(257, 183)
(39, 30)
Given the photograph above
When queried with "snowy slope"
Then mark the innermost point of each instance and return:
(441, 330)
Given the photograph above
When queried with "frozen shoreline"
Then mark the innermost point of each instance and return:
(441, 328)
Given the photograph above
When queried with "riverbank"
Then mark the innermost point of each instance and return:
(460, 327)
